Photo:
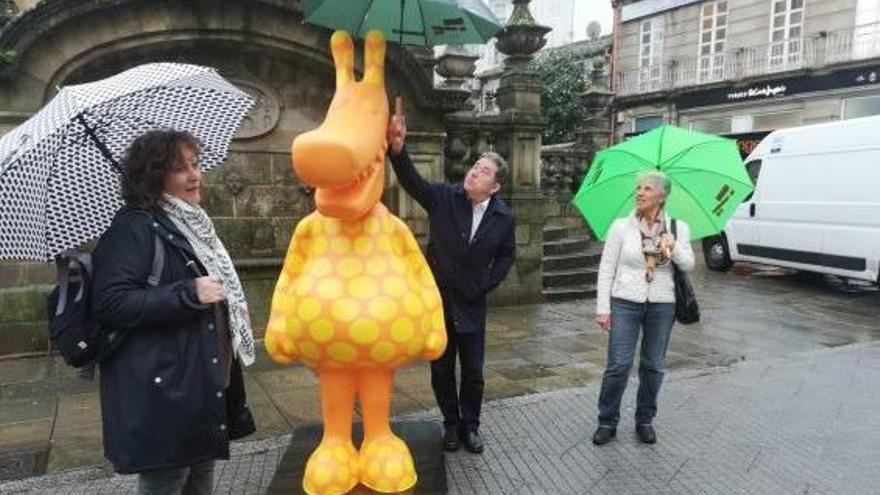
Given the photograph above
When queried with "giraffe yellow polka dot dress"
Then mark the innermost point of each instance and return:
(356, 298)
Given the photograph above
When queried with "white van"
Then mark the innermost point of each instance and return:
(816, 204)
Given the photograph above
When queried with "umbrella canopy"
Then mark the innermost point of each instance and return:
(409, 22)
(708, 179)
(59, 177)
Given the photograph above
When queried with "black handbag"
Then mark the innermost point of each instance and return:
(238, 414)
(687, 310)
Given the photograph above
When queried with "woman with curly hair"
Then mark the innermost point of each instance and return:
(172, 395)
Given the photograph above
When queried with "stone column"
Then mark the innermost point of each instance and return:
(519, 140)
(596, 131)
(456, 66)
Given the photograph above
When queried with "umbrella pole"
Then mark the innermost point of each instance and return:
(398, 98)
(100, 144)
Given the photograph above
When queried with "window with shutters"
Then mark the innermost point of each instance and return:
(786, 34)
(713, 37)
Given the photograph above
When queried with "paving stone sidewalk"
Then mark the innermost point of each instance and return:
(806, 424)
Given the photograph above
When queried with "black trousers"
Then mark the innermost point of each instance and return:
(460, 409)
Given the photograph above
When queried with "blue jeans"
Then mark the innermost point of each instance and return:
(197, 479)
(627, 319)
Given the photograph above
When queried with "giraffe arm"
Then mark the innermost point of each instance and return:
(278, 343)
(435, 343)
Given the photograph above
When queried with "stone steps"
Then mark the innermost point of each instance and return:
(552, 234)
(570, 264)
(570, 277)
(559, 262)
(565, 246)
(557, 294)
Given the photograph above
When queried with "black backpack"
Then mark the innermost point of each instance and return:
(73, 330)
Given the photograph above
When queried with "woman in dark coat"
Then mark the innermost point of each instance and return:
(171, 390)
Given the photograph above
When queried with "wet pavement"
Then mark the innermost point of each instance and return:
(50, 419)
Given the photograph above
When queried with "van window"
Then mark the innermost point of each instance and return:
(753, 168)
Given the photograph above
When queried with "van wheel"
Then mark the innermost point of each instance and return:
(716, 253)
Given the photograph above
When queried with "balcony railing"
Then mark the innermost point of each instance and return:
(862, 42)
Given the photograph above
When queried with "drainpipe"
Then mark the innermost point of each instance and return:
(615, 4)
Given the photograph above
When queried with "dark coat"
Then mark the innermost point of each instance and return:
(163, 389)
(465, 271)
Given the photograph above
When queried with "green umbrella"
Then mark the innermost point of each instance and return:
(409, 22)
(708, 179)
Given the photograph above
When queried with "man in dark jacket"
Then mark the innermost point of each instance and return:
(471, 247)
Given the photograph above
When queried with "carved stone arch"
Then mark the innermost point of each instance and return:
(65, 41)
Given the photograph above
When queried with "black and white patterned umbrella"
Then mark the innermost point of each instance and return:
(59, 178)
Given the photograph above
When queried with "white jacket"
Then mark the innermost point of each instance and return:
(623, 266)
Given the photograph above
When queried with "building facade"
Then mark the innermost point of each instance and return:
(744, 68)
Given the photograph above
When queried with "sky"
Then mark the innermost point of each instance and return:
(593, 10)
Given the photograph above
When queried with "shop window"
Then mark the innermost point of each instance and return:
(773, 121)
(854, 108)
(741, 123)
(711, 126)
(646, 123)
(765, 122)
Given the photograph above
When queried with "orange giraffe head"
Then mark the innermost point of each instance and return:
(344, 158)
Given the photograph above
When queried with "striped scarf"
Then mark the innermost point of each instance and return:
(198, 229)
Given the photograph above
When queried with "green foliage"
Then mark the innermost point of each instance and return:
(8, 59)
(8, 56)
(563, 85)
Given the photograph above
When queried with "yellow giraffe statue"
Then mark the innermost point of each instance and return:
(356, 298)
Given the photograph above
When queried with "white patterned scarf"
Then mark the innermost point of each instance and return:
(198, 229)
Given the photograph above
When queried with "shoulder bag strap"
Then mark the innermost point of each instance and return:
(158, 261)
(62, 270)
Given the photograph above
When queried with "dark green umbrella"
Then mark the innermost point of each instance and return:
(708, 179)
(409, 22)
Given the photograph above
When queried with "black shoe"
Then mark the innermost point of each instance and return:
(473, 442)
(646, 433)
(451, 442)
(604, 434)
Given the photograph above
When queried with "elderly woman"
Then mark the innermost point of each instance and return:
(172, 394)
(636, 293)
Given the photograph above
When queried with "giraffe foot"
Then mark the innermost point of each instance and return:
(332, 469)
(385, 465)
